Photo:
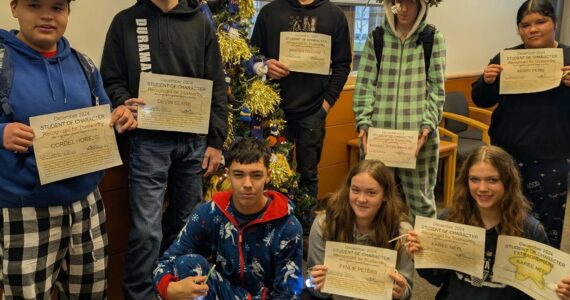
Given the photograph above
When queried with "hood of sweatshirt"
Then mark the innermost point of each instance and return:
(390, 19)
(63, 52)
(316, 3)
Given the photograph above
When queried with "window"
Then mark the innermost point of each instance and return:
(363, 16)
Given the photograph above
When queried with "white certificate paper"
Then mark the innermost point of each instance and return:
(530, 266)
(395, 148)
(530, 70)
(174, 103)
(305, 52)
(74, 142)
(359, 271)
(448, 245)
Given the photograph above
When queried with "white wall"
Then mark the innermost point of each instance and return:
(565, 29)
(475, 30)
(88, 23)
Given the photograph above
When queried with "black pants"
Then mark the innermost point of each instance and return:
(545, 183)
(308, 134)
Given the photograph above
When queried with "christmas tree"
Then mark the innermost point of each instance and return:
(253, 103)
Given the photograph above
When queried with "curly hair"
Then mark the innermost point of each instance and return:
(514, 207)
(340, 218)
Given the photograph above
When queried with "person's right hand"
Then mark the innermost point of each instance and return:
(133, 103)
(412, 244)
(18, 137)
(318, 274)
(362, 137)
(187, 288)
(491, 72)
(276, 69)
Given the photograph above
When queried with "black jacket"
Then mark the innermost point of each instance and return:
(180, 42)
(533, 125)
(303, 93)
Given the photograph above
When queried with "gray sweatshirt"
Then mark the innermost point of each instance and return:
(316, 255)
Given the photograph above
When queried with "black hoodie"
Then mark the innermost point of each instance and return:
(303, 93)
(180, 42)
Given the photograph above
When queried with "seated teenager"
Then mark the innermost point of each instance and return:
(250, 234)
(488, 194)
(366, 210)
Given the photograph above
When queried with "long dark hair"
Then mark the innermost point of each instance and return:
(514, 206)
(340, 219)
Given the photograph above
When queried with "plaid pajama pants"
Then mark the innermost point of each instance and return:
(64, 244)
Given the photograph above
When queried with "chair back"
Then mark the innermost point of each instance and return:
(456, 102)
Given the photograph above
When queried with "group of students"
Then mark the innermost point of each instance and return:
(247, 244)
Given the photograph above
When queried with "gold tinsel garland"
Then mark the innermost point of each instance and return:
(232, 48)
(261, 99)
(280, 171)
(230, 137)
(246, 9)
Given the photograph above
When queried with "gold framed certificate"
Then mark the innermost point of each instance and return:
(74, 142)
(174, 103)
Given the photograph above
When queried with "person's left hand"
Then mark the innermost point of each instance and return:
(211, 162)
(400, 284)
(123, 118)
(422, 138)
(317, 275)
(566, 79)
(563, 288)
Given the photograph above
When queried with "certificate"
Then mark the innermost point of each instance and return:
(74, 142)
(448, 245)
(395, 148)
(359, 271)
(530, 70)
(174, 103)
(306, 52)
(530, 266)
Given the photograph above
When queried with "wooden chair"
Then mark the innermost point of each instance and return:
(462, 120)
(447, 151)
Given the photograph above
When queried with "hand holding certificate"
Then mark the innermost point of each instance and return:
(447, 245)
(395, 148)
(358, 271)
(174, 103)
(530, 266)
(306, 52)
(73, 143)
(530, 70)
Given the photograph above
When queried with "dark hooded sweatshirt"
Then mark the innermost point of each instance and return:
(303, 93)
(531, 125)
(180, 42)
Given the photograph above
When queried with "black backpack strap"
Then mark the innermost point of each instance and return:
(6, 73)
(426, 39)
(89, 69)
(378, 38)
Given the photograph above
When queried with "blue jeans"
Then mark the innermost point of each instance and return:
(308, 133)
(158, 160)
